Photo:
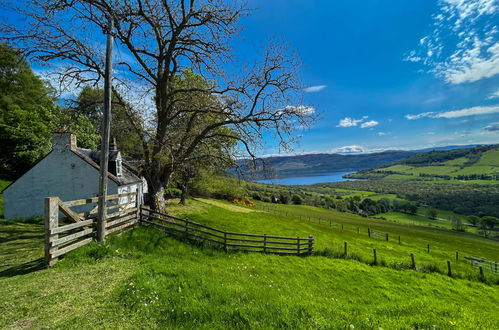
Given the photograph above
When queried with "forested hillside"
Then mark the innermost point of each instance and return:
(317, 164)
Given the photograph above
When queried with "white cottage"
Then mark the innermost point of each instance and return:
(69, 173)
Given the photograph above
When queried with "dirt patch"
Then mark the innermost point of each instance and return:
(227, 206)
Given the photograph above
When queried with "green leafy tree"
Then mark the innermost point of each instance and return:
(473, 219)
(489, 222)
(89, 104)
(164, 37)
(297, 200)
(28, 114)
(457, 224)
(431, 213)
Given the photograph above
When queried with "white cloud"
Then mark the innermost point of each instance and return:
(494, 95)
(300, 109)
(494, 127)
(382, 133)
(473, 111)
(463, 45)
(351, 122)
(313, 89)
(350, 149)
(370, 123)
(421, 115)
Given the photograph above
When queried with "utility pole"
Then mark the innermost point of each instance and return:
(106, 123)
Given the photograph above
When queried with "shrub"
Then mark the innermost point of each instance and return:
(296, 200)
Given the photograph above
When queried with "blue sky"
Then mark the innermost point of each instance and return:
(382, 74)
(389, 74)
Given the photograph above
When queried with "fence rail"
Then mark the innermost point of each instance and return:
(63, 238)
(491, 266)
(229, 241)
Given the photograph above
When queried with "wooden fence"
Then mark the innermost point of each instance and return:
(229, 241)
(61, 238)
(491, 266)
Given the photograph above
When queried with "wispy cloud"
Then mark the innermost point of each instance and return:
(494, 127)
(494, 95)
(475, 53)
(313, 89)
(370, 123)
(473, 111)
(350, 149)
(351, 122)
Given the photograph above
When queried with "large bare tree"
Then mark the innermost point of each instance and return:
(157, 41)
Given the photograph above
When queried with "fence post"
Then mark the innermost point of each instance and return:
(369, 232)
(386, 236)
(428, 247)
(345, 249)
(341, 226)
(310, 244)
(413, 262)
(457, 255)
(399, 239)
(449, 271)
(264, 243)
(51, 222)
(225, 240)
(375, 257)
(482, 276)
(298, 245)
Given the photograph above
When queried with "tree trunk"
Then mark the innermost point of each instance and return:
(157, 200)
(183, 195)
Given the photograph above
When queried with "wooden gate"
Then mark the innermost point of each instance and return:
(77, 228)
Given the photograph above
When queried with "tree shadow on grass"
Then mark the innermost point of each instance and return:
(24, 268)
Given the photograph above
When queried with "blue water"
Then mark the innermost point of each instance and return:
(330, 177)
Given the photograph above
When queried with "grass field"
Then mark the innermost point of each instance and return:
(487, 164)
(143, 279)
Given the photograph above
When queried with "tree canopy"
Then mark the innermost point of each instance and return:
(162, 39)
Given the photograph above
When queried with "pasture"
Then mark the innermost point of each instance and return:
(143, 278)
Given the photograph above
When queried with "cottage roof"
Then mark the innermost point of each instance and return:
(92, 157)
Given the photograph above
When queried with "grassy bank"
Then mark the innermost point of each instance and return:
(145, 279)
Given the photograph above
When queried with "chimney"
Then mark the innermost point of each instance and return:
(63, 141)
(114, 145)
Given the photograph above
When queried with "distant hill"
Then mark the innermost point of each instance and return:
(476, 163)
(447, 148)
(319, 164)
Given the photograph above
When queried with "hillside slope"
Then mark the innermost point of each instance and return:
(478, 163)
(143, 279)
(318, 164)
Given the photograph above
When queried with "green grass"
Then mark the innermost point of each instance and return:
(144, 279)
(487, 164)
(456, 161)
(489, 158)
(414, 219)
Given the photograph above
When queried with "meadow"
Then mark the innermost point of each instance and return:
(143, 278)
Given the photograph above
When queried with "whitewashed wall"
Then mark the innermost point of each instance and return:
(61, 173)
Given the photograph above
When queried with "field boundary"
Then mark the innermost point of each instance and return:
(81, 230)
(226, 240)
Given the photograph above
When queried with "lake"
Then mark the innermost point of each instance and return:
(330, 177)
